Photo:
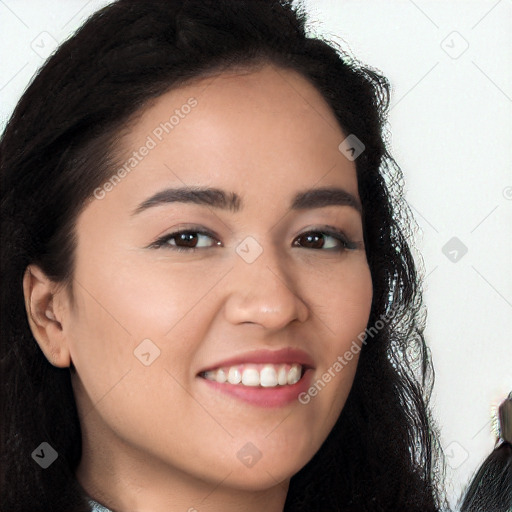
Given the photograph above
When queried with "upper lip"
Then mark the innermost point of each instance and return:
(286, 355)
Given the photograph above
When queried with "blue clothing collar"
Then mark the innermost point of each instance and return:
(96, 507)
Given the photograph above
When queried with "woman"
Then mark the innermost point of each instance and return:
(209, 299)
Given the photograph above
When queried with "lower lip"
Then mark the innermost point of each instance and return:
(278, 396)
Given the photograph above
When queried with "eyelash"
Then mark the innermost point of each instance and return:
(346, 244)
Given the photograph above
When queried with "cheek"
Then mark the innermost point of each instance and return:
(149, 296)
(343, 315)
(350, 318)
(119, 307)
(345, 302)
(100, 344)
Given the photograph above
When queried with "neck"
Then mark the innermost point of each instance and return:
(124, 481)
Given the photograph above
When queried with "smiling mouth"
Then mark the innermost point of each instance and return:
(257, 375)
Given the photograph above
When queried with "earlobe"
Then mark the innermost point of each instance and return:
(44, 317)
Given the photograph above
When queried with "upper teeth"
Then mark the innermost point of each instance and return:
(267, 375)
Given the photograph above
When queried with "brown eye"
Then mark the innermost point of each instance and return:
(328, 240)
(187, 240)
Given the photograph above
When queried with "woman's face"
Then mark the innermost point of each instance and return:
(267, 282)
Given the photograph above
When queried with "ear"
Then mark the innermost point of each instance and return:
(44, 305)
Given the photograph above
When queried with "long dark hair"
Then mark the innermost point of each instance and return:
(490, 489)
(59, 145)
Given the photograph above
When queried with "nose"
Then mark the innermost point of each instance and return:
(265, 293)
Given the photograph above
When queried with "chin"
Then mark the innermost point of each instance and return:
(263, 475)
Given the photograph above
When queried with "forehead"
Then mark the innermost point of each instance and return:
(263, 131)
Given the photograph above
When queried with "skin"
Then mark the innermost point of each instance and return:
(157, 438)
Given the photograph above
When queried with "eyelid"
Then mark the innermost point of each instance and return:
(332, 231)
(161, 240)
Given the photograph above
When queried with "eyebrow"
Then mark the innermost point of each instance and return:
(217, 198)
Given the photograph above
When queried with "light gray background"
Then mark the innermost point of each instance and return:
(450, 64)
